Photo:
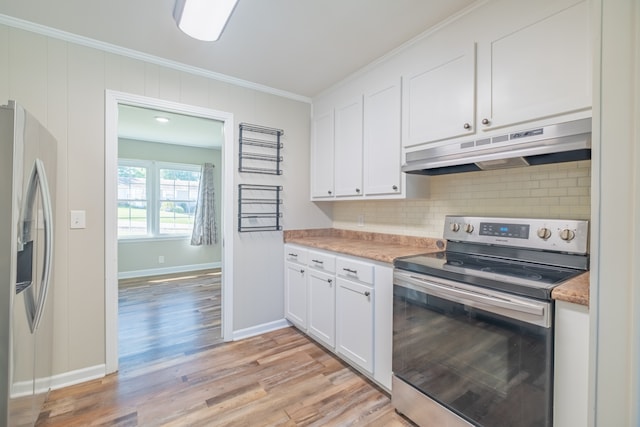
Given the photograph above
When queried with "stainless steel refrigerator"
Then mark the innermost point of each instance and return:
(27, 194)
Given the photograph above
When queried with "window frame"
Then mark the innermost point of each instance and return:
(153, 197)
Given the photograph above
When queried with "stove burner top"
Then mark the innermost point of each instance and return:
(514, 276)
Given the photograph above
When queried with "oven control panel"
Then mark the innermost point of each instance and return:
(545, 234)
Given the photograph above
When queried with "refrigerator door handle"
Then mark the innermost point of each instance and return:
(38, 179)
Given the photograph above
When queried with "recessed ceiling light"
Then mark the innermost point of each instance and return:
(162, 119)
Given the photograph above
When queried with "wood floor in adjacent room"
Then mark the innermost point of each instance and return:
(176, 371)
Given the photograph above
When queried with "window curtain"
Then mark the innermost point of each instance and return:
(205, 230)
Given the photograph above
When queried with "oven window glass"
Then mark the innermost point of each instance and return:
(489, 369)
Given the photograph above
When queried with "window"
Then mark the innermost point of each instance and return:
(156, 199)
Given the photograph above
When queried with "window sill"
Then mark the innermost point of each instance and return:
(152, 239)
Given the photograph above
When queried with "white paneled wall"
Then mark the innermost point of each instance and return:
(63, 84)
(554, 191)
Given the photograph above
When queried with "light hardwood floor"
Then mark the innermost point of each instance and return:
(175, 371)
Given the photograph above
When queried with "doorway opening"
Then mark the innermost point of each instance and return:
(144, 218)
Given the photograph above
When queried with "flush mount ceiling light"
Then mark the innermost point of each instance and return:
(203, 19)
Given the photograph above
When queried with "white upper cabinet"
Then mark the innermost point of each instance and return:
(348, 147)
(540, 70)
(382, 148)
(322, 148)
(439, 97)
(503, 65)
(365, 130)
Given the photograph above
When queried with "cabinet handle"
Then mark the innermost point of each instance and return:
(357, 190)
(294, 255)
(486, 121)
(348, 270)
(367, 293)
(395, 188)
(467, 126)
(317, 261)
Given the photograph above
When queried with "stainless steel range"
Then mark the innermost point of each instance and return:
(473, 325)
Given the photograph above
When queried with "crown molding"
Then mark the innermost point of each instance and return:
(134, 54)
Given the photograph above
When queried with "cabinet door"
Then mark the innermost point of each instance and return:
(348, 148)
(382, 145)
(538, 71)
(322, 307)
(295, 294)
(383, 325)
(354, 323)
(322, 149)
(439, 98)
(571, 360)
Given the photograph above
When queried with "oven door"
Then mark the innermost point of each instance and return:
(486, 356)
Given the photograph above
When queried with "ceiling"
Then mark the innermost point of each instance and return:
(300, 47)
(295, 47)
(140, 124)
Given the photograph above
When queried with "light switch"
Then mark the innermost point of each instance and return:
(78, 219)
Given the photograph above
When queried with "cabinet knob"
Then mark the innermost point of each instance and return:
(486, 121)
(301, 271)
(330, 281)
(357, 190)
(467, 126)
(395, 188)
(329, 192)
(367, 293)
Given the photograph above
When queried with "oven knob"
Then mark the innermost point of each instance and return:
(544, 233)
(567, 235)
(468, 228)
(455, 227)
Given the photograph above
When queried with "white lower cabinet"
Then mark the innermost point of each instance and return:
(296, 295)
(295, 286)
(571, 365)
(322, 307)
(345, 304)
(354, 323)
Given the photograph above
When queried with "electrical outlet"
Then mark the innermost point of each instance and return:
(161, 259)
(361, 220)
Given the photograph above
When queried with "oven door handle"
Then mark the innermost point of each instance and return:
(477, 299)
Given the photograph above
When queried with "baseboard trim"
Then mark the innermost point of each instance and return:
(260, 329)
(168, 270)
(42, 385)
(78, 376)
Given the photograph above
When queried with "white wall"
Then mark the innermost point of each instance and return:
(63, 84)
(615, 268)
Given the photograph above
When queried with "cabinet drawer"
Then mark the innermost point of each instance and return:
(295, 254)
(321, 261)
(353, 269)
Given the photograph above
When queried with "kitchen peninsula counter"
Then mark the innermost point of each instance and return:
(387, 247)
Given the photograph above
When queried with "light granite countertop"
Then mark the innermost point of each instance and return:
(387, 247)
(574, 290)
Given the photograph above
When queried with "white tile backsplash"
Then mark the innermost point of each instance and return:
(561, 190)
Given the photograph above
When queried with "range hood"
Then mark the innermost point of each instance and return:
(562, 142)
